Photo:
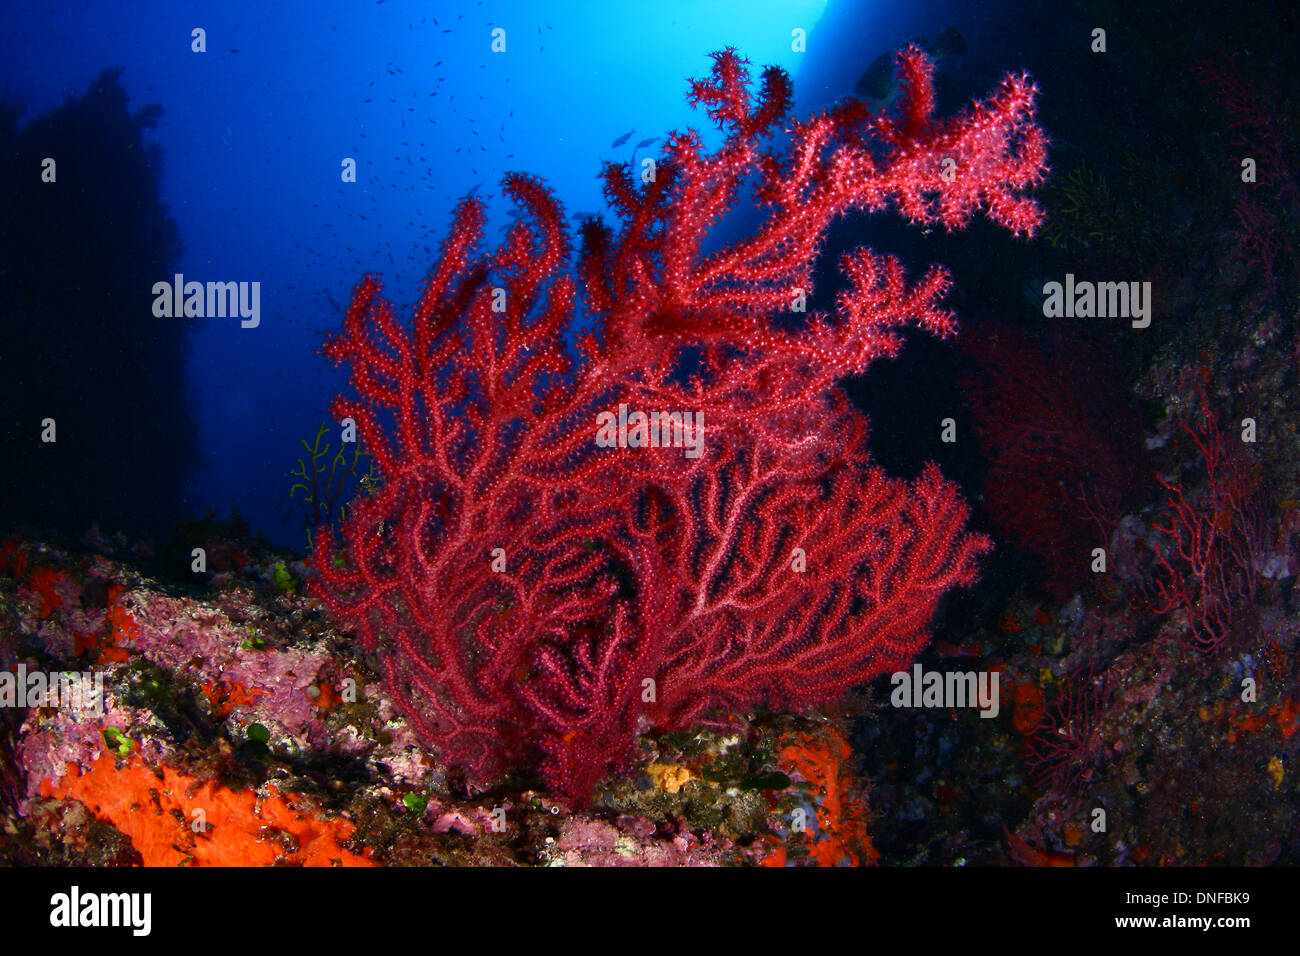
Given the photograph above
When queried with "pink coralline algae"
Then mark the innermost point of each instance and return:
(213, 647)
(529, 593)
(634, 842)
(268, 685)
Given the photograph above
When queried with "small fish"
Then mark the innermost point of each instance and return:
(622, 139)
(646, 142)
(879, 83)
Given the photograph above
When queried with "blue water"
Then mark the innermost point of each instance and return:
(256, 128)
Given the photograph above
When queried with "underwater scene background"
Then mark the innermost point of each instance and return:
(801, 433)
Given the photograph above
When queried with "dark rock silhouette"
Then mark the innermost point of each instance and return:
(78, 340)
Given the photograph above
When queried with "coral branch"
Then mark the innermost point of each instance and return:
(1206, 565)
(527, 590)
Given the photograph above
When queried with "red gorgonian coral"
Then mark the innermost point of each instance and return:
(1212, 536)
(527, 591)
(1265, 221)
(1061, 750)
(1062, 442)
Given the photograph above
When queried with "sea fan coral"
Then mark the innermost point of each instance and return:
(526, 589)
